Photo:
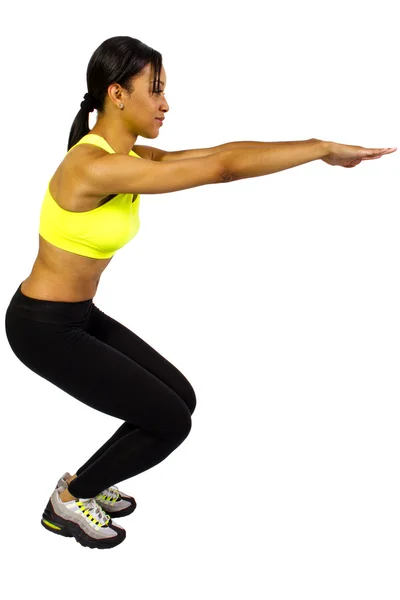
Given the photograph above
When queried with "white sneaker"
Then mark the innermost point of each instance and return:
(82, 519)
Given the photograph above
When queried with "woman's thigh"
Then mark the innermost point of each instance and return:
(98, 375)
(113, 333)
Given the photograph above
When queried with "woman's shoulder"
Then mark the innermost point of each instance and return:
(79, 156)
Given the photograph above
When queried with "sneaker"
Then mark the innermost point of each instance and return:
(82, 519)
(115, 502)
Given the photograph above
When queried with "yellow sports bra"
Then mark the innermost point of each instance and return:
(97, 233)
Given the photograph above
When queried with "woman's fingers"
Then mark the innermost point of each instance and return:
(377, 153)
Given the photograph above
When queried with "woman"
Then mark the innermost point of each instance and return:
(90, 210)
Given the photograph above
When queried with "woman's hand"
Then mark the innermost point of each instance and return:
(349, 156)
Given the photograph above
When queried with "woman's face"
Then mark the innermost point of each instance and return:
(142, 107)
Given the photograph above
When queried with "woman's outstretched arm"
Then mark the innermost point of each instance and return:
(163, 155)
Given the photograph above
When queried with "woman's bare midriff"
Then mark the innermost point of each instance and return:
(56, 274)
(63, 276)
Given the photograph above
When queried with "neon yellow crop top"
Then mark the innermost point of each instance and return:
(97, 233)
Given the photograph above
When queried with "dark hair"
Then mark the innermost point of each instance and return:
(116, 60)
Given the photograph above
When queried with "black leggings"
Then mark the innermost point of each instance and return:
(100, 362)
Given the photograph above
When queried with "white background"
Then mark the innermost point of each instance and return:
(277, 297)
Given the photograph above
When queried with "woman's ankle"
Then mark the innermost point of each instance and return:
(66, 496)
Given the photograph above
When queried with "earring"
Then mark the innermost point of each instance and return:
(121, 105)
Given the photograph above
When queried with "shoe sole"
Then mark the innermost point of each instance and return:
(56, 524)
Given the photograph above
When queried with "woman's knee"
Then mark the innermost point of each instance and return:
(174, 420)
(185, 427)
(190, 398)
